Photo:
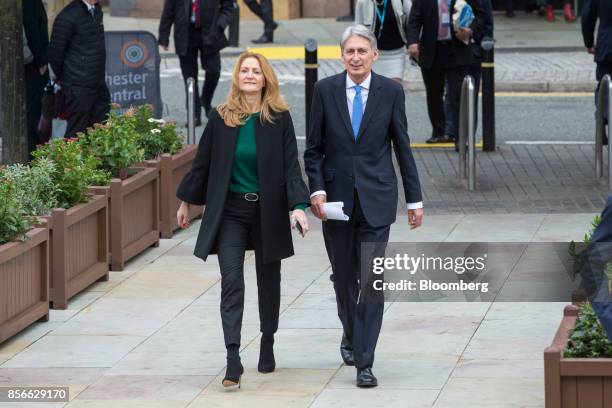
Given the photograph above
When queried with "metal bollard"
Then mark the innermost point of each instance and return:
(488, 94)
(311, 67)
(467, 133)
(234, 26)
(604, 89)
(191, 111)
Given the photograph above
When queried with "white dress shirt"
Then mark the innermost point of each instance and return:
(350, 96)
(90, 7)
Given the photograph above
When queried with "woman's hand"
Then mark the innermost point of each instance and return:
(182, 215)
(299, 217)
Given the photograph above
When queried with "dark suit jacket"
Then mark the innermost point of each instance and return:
(338, 164)
(35, 25)
(280, 182)
(591, 11)
(594, 259)
(216, 15)
(423, 29)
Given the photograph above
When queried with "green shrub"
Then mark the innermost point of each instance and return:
(155, 136)
(73, 171)
(588, 338)
(13, 225)
(114, 144)
(33, 186)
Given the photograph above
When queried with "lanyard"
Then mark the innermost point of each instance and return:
(380, 15)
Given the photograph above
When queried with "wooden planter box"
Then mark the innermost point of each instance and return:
(24, 283)
(575, 382)
(133, 215)
(78, 249)
(172, 169)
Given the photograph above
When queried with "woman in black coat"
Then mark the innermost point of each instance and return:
(247, 174)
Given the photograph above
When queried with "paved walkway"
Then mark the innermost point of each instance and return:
(151, 335)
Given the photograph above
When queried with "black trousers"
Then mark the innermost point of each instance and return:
(360, 309)
(86, 107)
(443, 69)
(263, 9)
(239, 225)
(35, 85)
(211, 64)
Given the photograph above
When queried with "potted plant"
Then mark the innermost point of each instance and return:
(24, 265)
(163, 149)
(78, 225)
(134, 192)
(578, 363)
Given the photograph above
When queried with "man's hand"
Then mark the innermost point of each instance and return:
(415, 218)
(591, 50)
(164, 47)
(42, 69)
(413, 49)
(463, 34)
(316, 205)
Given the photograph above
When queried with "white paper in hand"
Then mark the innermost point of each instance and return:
(333, 211)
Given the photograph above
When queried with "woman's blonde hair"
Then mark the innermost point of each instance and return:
(236, 110)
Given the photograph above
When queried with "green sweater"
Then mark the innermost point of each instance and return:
(244, 177)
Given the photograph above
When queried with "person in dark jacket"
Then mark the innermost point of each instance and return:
(264, 10)
(592, 10)
(36, 75)
(443, 53)
(198, 33)
(247, 174)
(77, 54)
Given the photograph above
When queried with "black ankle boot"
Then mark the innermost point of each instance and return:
(234, 369)
(266, 354)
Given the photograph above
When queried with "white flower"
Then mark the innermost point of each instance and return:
(151, 120)
(155, 131)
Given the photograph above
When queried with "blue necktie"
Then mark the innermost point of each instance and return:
(357, 111)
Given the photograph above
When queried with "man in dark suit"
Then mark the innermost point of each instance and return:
(77, 54)
(442, 53)
(36, 75)
(602, 48)
(594, 260)
(198, 31)
(356, 116)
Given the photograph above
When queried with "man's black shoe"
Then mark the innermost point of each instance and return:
(264, 39)
(346, 351)
(439, 139)
(365, 378)
(197, 122)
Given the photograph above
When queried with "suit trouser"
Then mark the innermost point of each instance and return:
(211, 64)
(35, 86)
(240, 224)
(443, 68)
(360, 310)
(475, 71)
(86, 107)
(263, 9)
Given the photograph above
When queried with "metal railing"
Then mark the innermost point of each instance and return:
(467, 133)
(604, 97)
(191, 111)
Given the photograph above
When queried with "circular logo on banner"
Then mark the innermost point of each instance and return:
(134, 54)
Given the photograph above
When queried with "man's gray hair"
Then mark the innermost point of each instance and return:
(361, 31)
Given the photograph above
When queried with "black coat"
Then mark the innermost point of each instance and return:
(216, 16)
(280, 182)
(77, 51)
(338, 164)
(35, 26)
(591, 11)
(423, 29)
